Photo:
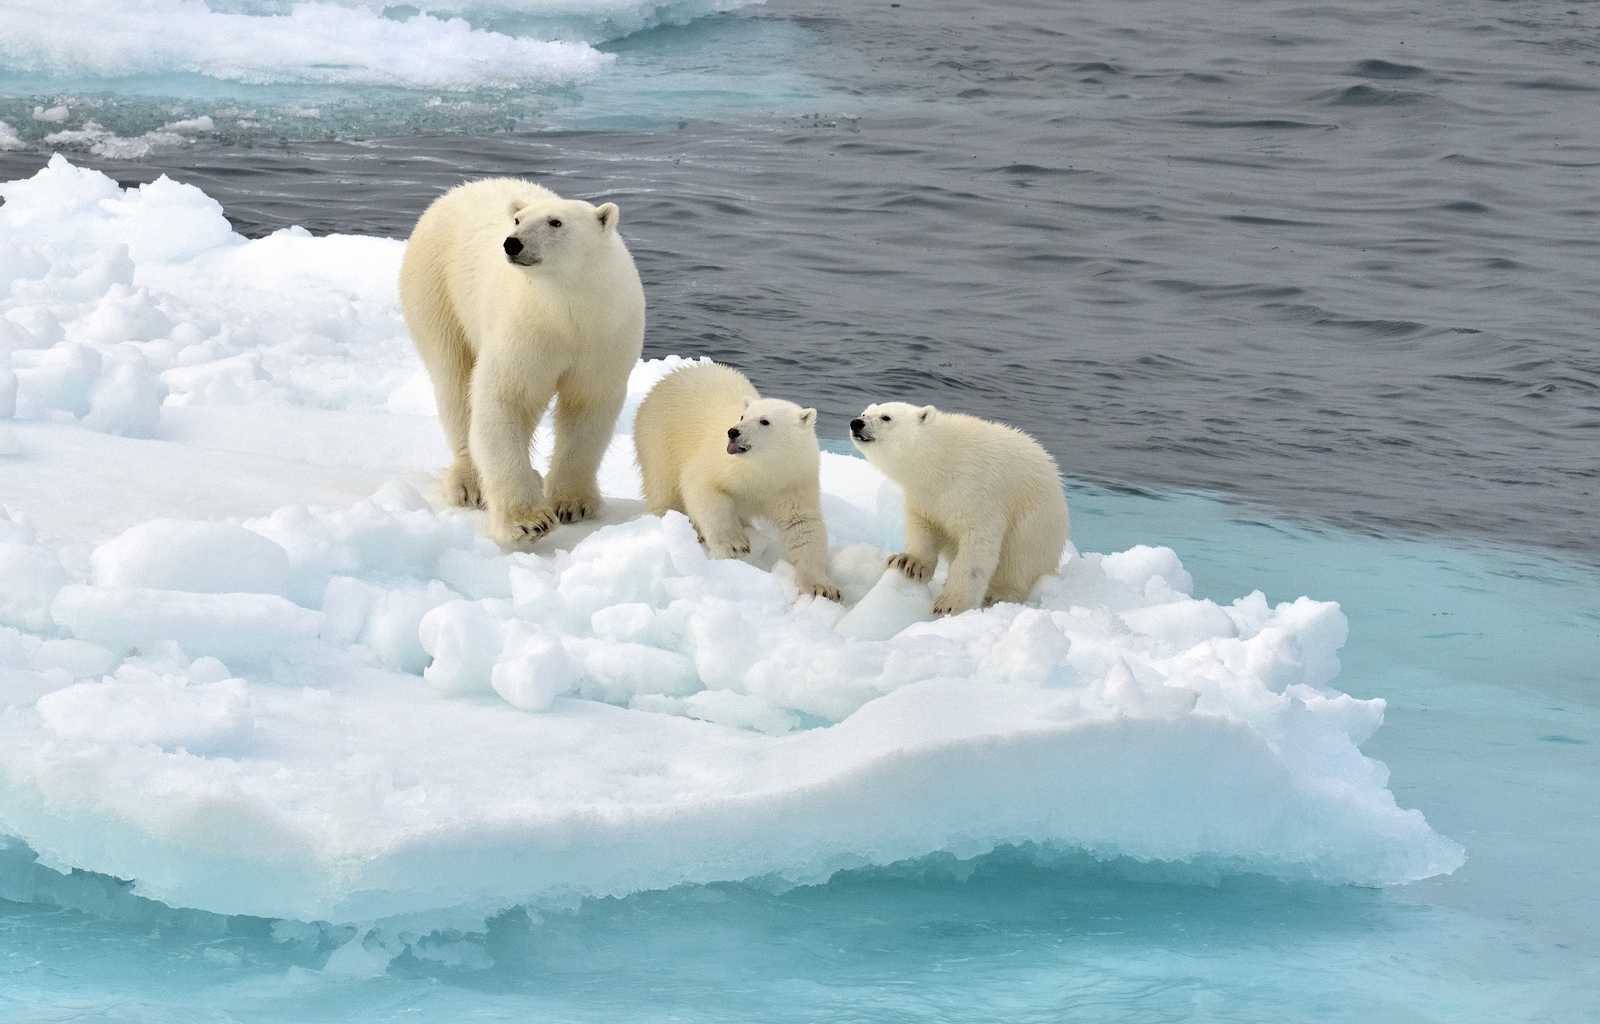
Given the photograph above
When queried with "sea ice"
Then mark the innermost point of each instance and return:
(325, 43)
(318, 694)
(454, 47)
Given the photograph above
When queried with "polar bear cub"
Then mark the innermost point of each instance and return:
(985, 495)
(515, 296)
(711, 447)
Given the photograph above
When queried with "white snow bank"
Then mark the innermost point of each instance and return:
(288, 700)
(111, 297)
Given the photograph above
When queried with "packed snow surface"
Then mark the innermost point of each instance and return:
(249, 661)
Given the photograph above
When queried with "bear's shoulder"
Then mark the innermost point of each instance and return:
(990, 432)
(484, 188)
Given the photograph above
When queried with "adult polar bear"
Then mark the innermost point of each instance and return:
(985, 495)
(515, 296)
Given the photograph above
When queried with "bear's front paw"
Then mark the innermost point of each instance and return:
(949, 604)
(728, 547)
(460, 485)
(823, 589)
(914, 568)
(572, 509)
(523, 525)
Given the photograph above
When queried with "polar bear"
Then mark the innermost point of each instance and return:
(983, 494)
(711, 447)
(515, 296)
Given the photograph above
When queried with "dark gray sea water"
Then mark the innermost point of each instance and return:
(1342, 261)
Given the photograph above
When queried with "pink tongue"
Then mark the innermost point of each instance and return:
(734, 449)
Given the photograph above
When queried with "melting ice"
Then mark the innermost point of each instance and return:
(427, 46)
(249, 662)
(123, 79)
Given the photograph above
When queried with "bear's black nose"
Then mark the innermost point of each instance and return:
(857, 424)
(513, 245)
(733, 433)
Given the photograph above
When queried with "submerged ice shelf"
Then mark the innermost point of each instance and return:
(320, 696)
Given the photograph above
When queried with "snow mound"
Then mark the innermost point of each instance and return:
(354, 710)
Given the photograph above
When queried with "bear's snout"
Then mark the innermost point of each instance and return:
(858, 427)
(733, 433)
(736, 446)
(513, 245)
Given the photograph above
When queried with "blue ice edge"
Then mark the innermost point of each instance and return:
(106, 944)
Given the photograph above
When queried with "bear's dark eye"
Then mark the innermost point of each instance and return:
(554, 222)
(516, 221)
(884, 418)
(764, 423)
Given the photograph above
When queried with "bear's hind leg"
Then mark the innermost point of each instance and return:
(448, 359)
(460, 484)
(1032, 549)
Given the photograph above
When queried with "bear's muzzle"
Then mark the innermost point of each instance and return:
(518, 253)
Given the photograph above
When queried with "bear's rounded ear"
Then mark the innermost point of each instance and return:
(608, 216)
(807, 417)
(748, 401)
(511, 211)
(925, 412)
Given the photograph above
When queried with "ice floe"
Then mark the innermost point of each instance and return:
(249, 662)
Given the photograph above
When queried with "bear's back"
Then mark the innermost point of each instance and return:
(694, 403)
(687, 414)
(971, 466)
(480, 205)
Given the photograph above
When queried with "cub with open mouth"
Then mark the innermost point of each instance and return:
(711, 447)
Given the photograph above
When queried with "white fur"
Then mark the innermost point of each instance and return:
(682, 439)
(501, 338)
(983, 494)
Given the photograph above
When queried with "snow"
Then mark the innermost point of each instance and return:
(249, 661)
(199, 557)
(461, 47)
(310, 42)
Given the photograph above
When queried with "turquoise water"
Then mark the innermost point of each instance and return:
(1487, 659)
